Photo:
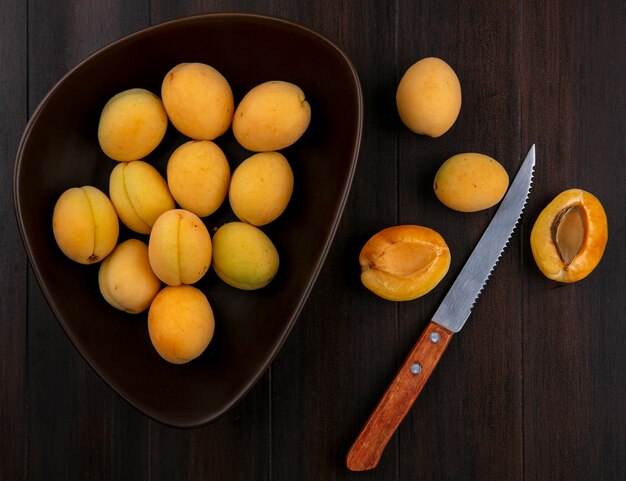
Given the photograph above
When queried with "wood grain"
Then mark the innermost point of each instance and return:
(13, 265)
(531, 389)
(574, 72)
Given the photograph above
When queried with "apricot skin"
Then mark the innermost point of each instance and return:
(198, 175)
(470, 182)
(595, 236)
(402, 263)
(243, 256)
(139, 194)
(132, 125)
(85, 224)
(271, 116)
(428, 97)
(198, 100)
(180, 323)
(126, 279)
(179, 248)
(261, 188)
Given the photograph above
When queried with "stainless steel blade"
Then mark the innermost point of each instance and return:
(457, 305)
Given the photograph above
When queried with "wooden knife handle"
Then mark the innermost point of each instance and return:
(398, 399)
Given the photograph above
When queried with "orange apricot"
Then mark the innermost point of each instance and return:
(404, 262)
(569, 236)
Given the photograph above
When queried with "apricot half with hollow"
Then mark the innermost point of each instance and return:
(569, 236)
(404, 262)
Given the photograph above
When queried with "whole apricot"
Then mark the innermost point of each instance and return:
(85, 224)
(429, 97)
(261, 188)
(180, 323)
(470, 182)
(569, 236)
(198, 175)
(179, 247)
(140, 195)
(126, 279)
(132, 125)
(404, 262)
(244, 256)
(198, 100)
(271, 116)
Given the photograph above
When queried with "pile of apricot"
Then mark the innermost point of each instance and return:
(405, 262)
(199, 103)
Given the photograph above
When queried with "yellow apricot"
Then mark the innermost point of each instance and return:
(126, 279)
(180, 323)
(470, 182)
(198, 100)
(179, 247)
(429, 97)
(261, 188)
(569, 236)
(243, 256)
(404, 262)
(85, 224)
(271, 116)
(132, 125)
(198, 175)
(139, 194)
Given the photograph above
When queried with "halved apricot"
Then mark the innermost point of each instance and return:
(404, 262)
(569, 236)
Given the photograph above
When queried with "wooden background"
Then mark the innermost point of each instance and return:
(534, 386)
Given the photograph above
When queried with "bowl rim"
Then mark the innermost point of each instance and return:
(334, 221)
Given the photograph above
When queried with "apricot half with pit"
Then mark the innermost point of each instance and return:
(404, 262)
(569, 236)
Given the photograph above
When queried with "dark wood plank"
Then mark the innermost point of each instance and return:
(574, 67)
(77, 427)
(13, 265)
(466, 424)
(334, 366)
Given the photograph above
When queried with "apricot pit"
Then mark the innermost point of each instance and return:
(404, 262)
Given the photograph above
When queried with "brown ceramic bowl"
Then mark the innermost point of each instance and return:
(59, 150)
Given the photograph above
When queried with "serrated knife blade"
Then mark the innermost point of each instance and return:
(457, 305)
(449, 318)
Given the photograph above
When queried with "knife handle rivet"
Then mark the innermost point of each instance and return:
(415, 368)
(434, 337)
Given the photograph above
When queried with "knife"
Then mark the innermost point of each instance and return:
(448, 319)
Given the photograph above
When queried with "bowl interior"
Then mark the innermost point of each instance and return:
(60, 150)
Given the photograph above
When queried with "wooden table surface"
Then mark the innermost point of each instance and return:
(534, 386)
